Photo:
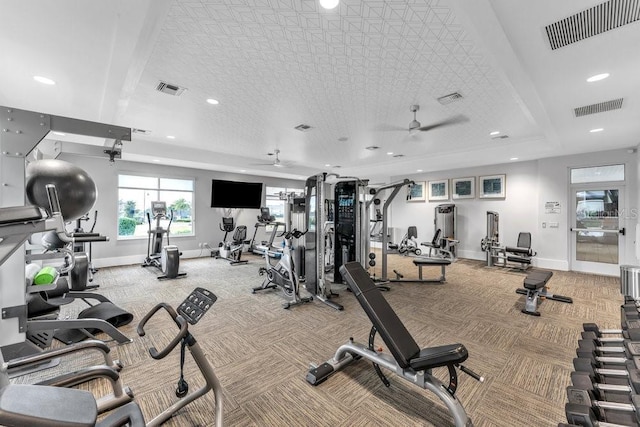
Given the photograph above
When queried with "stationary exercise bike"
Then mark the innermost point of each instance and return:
(283, 273)
(232, 251)
(165, 258)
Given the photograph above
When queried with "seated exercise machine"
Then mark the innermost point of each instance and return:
(165, 258)
(232, 251)
(408, 244)
(73, 407)
(283, 274)
(407, 359)
(535, 290)
(82, 274)
(500, 256)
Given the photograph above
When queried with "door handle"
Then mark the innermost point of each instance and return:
(622, 231)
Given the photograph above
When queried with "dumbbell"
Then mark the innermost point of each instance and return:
(613, 362)
(627, 348)
(585, 415)
(622, 382)
(627, 375)
(629, 333)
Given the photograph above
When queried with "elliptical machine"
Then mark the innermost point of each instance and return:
(164, 258)
(283, 274)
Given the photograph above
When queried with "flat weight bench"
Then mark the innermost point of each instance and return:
(535, 289)
(421, 262)
(407, 359)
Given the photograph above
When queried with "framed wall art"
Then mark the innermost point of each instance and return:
(463, 188)
(493, 187)
(416, 192)
(439, 190)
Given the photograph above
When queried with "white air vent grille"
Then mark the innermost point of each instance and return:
(448, 99)
(590, 22)
(500, 137)
(141, 131)
(170, 89)
(600, 107)
(303, 128)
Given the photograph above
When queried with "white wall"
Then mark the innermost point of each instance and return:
(206, 229)
(528, 186)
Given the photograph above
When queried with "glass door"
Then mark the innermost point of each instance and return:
(597, 229)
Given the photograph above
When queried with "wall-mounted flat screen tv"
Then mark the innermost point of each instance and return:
(236, 194)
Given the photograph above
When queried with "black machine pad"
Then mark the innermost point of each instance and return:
(196, 305)
(393, 332)
(537, 279)
(431, 261)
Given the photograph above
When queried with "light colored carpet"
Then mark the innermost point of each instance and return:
(262, 352)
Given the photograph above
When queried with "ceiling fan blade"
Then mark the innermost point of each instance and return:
(450, 121)
(388, 128)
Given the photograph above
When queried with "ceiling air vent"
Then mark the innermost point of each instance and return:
(448, 99)
(141, 131)
(303, 128)
(170, 89)
(500, 137)
(600, 107)
(593, 21)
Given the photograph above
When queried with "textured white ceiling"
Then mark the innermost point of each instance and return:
(351, 72)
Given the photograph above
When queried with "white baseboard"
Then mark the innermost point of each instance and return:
(137, 259)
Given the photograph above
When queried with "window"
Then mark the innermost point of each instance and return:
(135, 194)
(611, 173)
(276, 199)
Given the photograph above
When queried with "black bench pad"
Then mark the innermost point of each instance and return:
(432, 357)
(537, 279)
(431, 261)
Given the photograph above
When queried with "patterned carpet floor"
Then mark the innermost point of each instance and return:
(261, 352)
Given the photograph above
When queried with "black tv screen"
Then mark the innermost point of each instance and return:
(235, 194)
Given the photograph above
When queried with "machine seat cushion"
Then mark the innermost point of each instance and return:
(537, 279)
(518, 250)
(36, 405)
(19, 214)
(431, 261)
(432, 357)
(523, 260)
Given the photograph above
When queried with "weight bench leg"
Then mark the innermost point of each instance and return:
(531, 303)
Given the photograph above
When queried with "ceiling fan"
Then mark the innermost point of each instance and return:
(415, 127)
(276, 162)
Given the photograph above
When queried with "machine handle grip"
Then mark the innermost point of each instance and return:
(179, 320)
(471, 373)
(81, 238)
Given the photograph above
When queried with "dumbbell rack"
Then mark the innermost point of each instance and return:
(605, 383)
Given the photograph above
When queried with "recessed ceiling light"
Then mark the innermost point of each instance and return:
(495, 132)
(419, 170)
(329, 4)
(59, 133)
(327, 165)
(596, 130)
(213, 101)
(598, 77)
(513, 158)
(389, 153)
(171, 137)
(243, 170)
(44, 80)
(156, 160)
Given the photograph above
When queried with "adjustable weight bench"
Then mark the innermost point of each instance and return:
(535, 289)
(421, 262)
(407, 359)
